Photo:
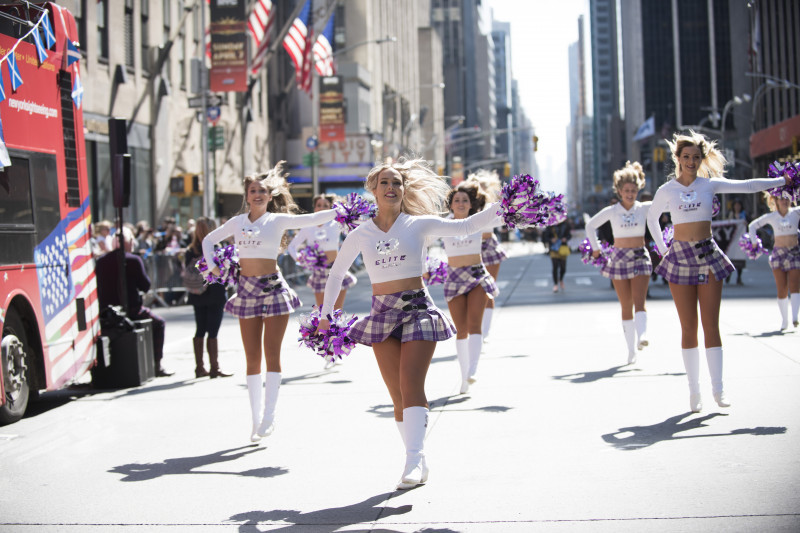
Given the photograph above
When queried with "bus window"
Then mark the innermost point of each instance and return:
(45, 193)
(16, 205)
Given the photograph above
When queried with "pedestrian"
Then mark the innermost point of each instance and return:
(785, 257)
(404, 324)
(693, 264)
(737, 213)
(492, 253)
(207, 301)
(468, 284)
(263, 299)
(629, 266)
(556, 238)
(107, 272)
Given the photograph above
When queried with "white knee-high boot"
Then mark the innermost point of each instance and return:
(474, 343)
(795, 297)
(254, 389)
(630, 339)
(402, 430)
(783, 305)
(691, 362)
(462, 354)
(415, 424)
(486, 323)
(714, 360)
(640, 319)
(271, 388)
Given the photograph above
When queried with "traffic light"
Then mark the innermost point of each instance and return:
(185, 185)
(659, 154)
(507, 170)
(535, 143)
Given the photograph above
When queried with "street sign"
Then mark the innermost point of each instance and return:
(312, 142)
(213, 114)
(211, 101)
(310, 159)
(216, 137)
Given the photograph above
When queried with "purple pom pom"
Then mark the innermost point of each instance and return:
(586, 253)
(715, 206)
(781, 170)
(669, 233)
(752, 251)
(436, 270)
(523, 204)
(353, 211)
(227, 260)
(331, 343)
(312, 257)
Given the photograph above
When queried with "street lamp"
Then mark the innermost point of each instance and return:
(387, 39)
(736, 100)
(392, 97)
(770, 83)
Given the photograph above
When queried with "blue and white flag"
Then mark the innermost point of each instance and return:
(40, 50)
(77, 91)
(47, 28)
(648, 129)
(73, 54)
(13, 71)
(5, 161)
(2, 90)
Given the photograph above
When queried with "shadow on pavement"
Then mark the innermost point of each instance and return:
(589, 377)
(187, 465)
(365, 512)
(298, 380)
(638, 437)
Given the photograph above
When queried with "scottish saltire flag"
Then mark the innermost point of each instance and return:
(2, 89)
(77, 91)
(47, 28)
(323, 51)
(13, 71)
(5, 161)
(40, 50)
(73, 54)
(646, 130)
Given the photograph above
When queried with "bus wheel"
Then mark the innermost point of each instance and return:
(14, 359)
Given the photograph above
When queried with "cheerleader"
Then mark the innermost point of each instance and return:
(263, 299)
(468, 284)
(327, 237)
(785, 257)
(404, 324)
(629, 266)
(693, 264)
(492, 254)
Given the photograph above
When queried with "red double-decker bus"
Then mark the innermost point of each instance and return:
(48, 294)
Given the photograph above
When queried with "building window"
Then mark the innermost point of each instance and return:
(129, 47)
(180, 43)
(167, 67)
(80, 22)
(144, 15)
(102, 30)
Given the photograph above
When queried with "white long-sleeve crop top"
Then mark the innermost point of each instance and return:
(624, 222)
(326, 236)
(457, 245)
(261, 239)
(781, 226)
(400, 252)
(694, 203)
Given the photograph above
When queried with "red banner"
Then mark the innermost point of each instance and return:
(228, 46)
(331, 110)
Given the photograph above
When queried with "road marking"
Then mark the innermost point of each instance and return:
(583, 281)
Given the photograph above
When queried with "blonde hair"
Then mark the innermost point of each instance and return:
(630, 173)
(425, 191)
(275, 182)
(489, 181)
(771, 201)
(713, 162)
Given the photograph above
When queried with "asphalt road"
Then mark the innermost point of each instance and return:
(558, 434)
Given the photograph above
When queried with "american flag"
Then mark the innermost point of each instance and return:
(65, 271)
(259, 24)
(298, 45)
(323, 51)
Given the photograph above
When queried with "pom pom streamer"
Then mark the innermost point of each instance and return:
(752, 251)
(227, 260)
(669, 233)
(436, 270)
(523, 204)
(586, 253)
(353, 211)
(329, 344)
(715, 206)
(312, 257)
(782, 170)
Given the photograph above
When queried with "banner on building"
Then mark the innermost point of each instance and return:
(228, 31)
(331, 109)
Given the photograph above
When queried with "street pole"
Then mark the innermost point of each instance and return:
(315, 132)
(208, 196)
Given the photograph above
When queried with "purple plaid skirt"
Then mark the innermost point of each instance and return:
(408, 315)
(491, 252)
(319, 277)
(262, 296)
(627, 263)
(691, 263)
(461, 280)
(785, 258)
